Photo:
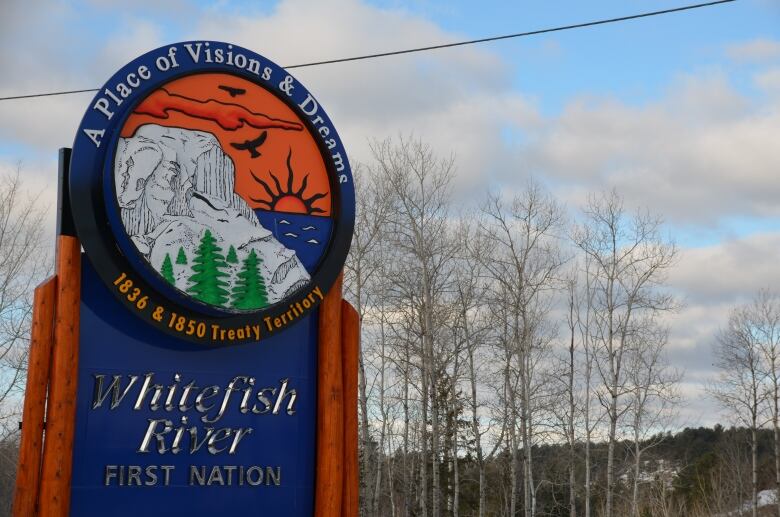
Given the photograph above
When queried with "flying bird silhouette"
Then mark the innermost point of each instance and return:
(232, 91)
(251, 145)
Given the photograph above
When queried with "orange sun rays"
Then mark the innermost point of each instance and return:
(286, 198)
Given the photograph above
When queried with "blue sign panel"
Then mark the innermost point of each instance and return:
(164, 427)
(215, 204)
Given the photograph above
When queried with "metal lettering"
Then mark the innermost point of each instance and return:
(282, 394)
(158, 435)
(99, 396)
(259, 473)
(272, 476)
(197, 475)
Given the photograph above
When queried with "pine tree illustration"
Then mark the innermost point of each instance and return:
(181, 258)
(232, 258)
(249, 291)
(167, 270)
(206, 282)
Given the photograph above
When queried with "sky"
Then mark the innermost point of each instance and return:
(680, 113)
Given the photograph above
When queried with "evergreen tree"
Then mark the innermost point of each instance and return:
(206, 282)
(181, 258)
(232, 258)
(167, 270)
(249, 291)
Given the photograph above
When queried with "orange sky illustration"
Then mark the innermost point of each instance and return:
(253, 111)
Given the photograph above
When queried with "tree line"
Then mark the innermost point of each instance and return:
(514, 353)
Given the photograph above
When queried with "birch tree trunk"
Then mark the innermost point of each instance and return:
(383, 410)
(419, 184)
(526, 257)
(764, 317)
(570, 387)
(362, 266)
(629, 258)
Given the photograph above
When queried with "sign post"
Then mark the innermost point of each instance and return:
(198, 354)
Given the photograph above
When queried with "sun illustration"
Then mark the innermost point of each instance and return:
(285, 198)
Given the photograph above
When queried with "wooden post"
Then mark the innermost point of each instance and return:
(61, 411)
(330, 408)
(350, 338)
(28, 472)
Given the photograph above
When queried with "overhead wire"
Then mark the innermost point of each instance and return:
(443, 45)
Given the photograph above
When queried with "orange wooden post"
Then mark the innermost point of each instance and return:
(61, 411)
(350, 338)
(28, 473)
(330, 408)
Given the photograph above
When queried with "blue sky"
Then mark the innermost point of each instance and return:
(632, 60)
(680, 113)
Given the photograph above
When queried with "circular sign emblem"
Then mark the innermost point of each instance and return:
(211, 193)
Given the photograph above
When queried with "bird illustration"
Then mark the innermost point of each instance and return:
(251, 145)
(232, 91)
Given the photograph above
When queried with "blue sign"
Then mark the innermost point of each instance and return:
(215, 204)
(162, 429)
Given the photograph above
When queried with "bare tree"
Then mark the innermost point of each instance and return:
(419, 182)
(567, 408)
(629, 258)
(589, 421)
(23, 263)
(474, 325)
(721, 489)
(764, 316)
(459, 387)
(360, 270)
(748, 356)
(653, 394)
(740, 387)
(526, 259)
(506, 386)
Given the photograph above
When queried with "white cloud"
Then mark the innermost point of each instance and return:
(39, 181)
(178, 7)
(712, 281)
(769, 81)
(65, 59)
(135, 37)
(458, 100)
(730, 272)
(45, 124)
(699, 154)
(756, 50)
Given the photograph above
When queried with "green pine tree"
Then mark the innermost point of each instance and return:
(206, 282)
(181, 258)
(167, 270)
(232, 258)
(249, 291)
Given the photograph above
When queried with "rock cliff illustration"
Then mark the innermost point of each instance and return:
(175, 190)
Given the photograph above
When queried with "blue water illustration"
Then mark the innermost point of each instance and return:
(307, 235)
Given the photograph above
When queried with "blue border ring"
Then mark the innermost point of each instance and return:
(95, 211)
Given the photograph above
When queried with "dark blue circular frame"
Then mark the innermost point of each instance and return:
(96, 211)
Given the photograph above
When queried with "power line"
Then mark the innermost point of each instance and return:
(516, 35)
(50, 94)
(444, 45)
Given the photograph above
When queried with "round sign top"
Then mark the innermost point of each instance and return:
(211, 193)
